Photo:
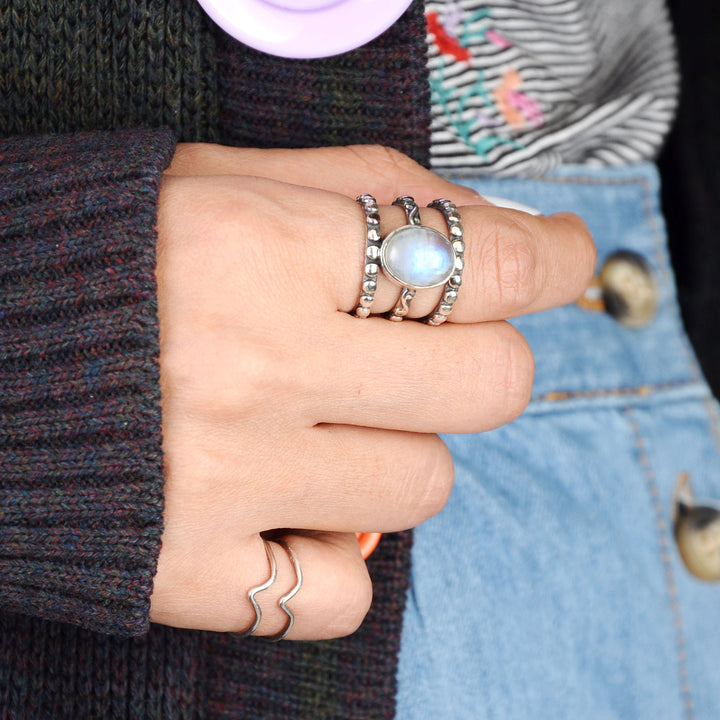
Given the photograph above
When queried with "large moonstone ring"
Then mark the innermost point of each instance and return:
(413, 256)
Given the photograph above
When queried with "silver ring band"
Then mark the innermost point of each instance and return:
(456, 232)
(290, 595)
(258, 589)
(412, 212)
(373, 242)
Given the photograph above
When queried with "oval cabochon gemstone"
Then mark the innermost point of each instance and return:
(417, 257)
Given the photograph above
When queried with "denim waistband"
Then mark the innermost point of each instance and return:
(585, 356)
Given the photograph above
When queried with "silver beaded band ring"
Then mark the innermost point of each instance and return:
(450, 292)
(372, 255)
(290, 595)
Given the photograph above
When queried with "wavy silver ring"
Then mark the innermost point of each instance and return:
(259, 588)
(290, 595)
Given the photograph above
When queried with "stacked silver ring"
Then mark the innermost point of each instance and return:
(412, 212)
(259, 588)
(373, 242)
(283, 600)
(450, 292)
(290, 595)
(414, 257)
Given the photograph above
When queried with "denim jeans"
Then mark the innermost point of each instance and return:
(550, 586)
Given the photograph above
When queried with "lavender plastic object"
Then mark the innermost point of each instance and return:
(304, 28)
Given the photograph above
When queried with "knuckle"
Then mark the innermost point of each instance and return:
(515, 369)
(258, 384)
(226, 386)
(388, 158)
(388, 163)
(511, 255)
(189, 158)
(350, 605)
(431, 482)
(394, 159)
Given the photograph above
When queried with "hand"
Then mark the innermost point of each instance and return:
(281, 410)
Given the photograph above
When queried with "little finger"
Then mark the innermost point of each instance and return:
(326, 580)
(324, 574)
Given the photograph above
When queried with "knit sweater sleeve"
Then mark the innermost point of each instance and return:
(81, 470)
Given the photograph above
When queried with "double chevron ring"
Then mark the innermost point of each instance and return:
(282, 602)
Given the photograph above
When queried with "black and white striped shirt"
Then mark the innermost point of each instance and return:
(520, 86)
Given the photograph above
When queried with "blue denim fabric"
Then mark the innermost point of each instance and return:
(550, 586)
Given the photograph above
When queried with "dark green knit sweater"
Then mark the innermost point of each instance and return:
(80, 462)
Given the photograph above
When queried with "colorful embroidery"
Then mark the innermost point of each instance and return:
(445, 42)
(466, 123)
(516, 88)
(496, 38)
(454, 35)
(517, 107)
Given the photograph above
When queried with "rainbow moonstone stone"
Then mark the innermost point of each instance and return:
(418, 257)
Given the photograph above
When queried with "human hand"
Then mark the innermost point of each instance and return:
(281, 410)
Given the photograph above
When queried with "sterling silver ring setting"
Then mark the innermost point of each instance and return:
(414, 257)
(283, 601)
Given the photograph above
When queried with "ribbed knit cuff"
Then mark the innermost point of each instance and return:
(81, 470)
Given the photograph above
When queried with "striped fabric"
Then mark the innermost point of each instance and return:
(520, 86)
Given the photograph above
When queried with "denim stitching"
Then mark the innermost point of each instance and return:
(662, 261)
(640, 391)
(713, 421)
(662, 529)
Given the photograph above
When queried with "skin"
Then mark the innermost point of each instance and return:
(281, 410)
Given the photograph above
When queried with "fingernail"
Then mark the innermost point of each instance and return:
(511, 205)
